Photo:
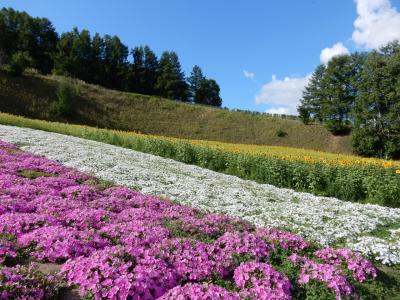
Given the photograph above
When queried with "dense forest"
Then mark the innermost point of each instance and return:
(27, 42)
(359, 93)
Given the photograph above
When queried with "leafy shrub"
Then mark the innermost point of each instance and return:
(338, 127)
(19, 62)
(281, 133)
(65, 97)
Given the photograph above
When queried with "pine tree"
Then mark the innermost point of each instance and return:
(313, 97)
(195, 81)
(339, 92)
(115, 62)
(97, 60)
(136, 75)
(74, 55)
(171, 81)
(377, 110)
(36, 37)
(151, 67)
(208, 93)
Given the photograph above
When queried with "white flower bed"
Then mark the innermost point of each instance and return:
(322, 219)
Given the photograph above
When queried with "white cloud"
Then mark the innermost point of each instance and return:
(278, 110)
(327, 53)
(283, 94)
(248, 74)
(377, 23)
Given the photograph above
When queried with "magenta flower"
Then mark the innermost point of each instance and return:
(196, 291)
(260, 281)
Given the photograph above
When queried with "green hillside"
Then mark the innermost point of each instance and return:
(31, 96)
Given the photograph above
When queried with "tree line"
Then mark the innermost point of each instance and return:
(359, 93)
(27, 42)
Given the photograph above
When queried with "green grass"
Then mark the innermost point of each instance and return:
(32, 95)
(32, 174)
(383, 231)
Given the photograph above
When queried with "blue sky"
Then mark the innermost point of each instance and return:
(280, 38)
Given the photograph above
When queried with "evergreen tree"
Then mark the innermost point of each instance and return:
(208, 93)
(195, 80)
(151, 67)
(115, 62)
(339, 92)
(377, 111)
(44, 41)
(143, 72)
(136, 75)
(313, 97)
(74, 55)
(97, 60)
(171, 81)
(36, 37)
(33, 42)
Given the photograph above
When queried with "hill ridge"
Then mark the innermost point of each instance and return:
(32, 94)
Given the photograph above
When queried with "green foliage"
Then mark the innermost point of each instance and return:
(202, 90)
(176, 230)
(304, 114)
(359, 93)
(98, 60)
(171, 82)
(144, 71)
(313, 96)
(35, 37)
(73, 54)
(208, 94)
(281, 133)
(99, 184)
(338, 127)
(339, 93)
(64, 106)
(315, 290)
(115, 62)
(376, 114)
(32, 174)
(195, 80)
(19, 62)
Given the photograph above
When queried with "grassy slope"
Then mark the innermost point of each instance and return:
(96, 106)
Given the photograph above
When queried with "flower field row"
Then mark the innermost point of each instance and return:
(327, 221)
(305, 155)
(353, 179)
(112, 242)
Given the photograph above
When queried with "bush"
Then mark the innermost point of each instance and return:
(19, 62)
(281, 133)
(338, 127)
(64, 106)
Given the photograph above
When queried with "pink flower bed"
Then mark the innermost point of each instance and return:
(116, 243)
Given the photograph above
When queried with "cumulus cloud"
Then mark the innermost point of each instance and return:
(282, 95)
(248, 74)
(377, 23)
(327, 53)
